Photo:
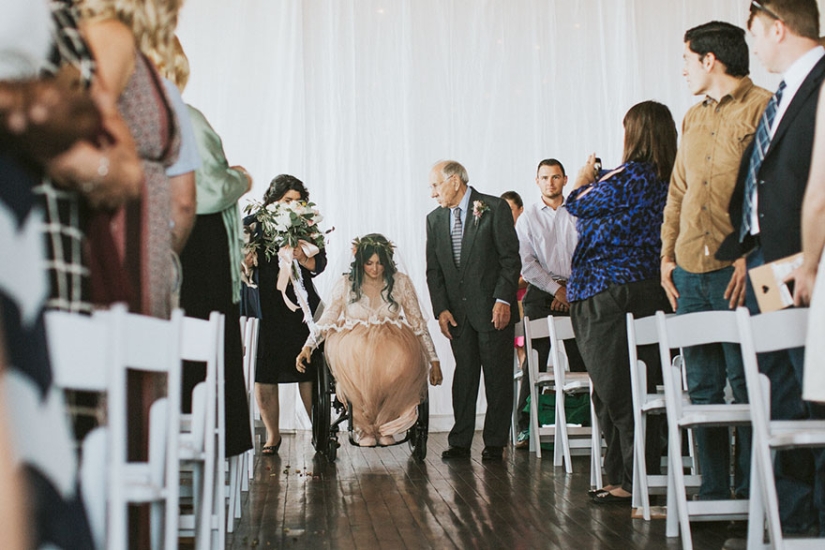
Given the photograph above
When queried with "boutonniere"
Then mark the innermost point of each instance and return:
(479, 208)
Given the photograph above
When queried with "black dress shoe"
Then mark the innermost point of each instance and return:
(492, 453)
(456, 452)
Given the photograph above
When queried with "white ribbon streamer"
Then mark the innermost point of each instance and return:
(290, 271)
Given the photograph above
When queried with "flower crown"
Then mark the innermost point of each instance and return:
(363, 242)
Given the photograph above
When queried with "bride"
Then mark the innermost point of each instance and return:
(377, 343)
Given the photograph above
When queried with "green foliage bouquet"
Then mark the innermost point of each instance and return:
(284, 224)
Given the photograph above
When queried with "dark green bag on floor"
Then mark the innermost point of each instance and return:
(577, 407)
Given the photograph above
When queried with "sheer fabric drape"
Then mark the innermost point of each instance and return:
(358, 98)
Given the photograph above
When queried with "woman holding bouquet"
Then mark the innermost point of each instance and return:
(377, 343)
(283, 330)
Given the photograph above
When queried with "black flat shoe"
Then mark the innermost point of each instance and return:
(608, 498)
(269, 450)
(456, 452)
(593, 493)
(492, 453)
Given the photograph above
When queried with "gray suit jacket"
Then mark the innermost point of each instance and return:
(490, 264)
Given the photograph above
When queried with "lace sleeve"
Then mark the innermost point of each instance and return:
(332, 312)
(408, 299)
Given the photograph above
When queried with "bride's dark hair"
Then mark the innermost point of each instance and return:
(364, 247)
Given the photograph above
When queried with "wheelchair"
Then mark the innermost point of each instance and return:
(328, 414)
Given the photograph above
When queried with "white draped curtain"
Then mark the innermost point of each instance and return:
(358, 98)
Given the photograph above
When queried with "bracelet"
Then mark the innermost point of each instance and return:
(102, 172)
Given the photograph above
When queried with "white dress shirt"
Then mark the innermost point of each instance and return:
(547, 239)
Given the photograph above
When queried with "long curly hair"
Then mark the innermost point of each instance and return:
(363, 248)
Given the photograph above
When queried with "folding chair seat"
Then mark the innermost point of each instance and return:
(779, 330)
(562, 382)
(198, 443)
(149, 345)
(641, 332)
(80, 353)
(682, 331)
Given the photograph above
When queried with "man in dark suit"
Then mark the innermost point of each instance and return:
(473, 267)
(765, 214)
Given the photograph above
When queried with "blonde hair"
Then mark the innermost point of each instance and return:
(178, 70)
(152, 22)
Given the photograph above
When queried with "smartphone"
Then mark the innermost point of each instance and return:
(598, 164)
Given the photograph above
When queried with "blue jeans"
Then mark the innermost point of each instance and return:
(800, 473)
(709, 367)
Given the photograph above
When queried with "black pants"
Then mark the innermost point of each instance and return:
(536, 305)
(491, 351)
(601, 328)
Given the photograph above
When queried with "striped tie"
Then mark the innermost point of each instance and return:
(763, 140)
(455, 234)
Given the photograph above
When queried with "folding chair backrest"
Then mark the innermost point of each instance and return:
(80, 351)
(560, 329)
(691, 329)
(779, 330)
(533, 330)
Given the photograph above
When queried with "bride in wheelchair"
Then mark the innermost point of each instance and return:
(377, 344)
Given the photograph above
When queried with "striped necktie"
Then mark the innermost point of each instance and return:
(760, 148)
(455, 234)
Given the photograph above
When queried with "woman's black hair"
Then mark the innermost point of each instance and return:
(280, 185)
(365, 247)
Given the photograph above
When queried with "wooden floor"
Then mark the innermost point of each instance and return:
(383, 498)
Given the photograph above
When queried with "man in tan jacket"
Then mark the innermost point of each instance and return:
(715, 133)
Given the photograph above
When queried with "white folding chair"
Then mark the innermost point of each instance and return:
(148, 345)
(561, 381)
(517, 375)
(780, 330)
(80, 354)
(642, 332)
(682, 331)
(561, 330)
(198, 443)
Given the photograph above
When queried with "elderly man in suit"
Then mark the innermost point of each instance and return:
(473, 267)
(765, 214)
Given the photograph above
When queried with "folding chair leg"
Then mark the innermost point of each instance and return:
(756, 508)
(595, 448)
(672, 527)
(244, 458)
(561, 456)
(535, 438)
(679, 490)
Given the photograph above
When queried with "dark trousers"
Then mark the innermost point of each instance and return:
(536, 305)
(492, 352)
(601, 330)
(800, 473)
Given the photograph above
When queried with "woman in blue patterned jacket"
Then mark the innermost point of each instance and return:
(615, 271)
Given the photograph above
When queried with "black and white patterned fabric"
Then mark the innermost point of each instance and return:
(65, 211)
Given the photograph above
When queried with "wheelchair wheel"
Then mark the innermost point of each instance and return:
(321, 409)
(419, 432)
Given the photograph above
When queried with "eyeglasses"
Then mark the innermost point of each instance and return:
(758, 6)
